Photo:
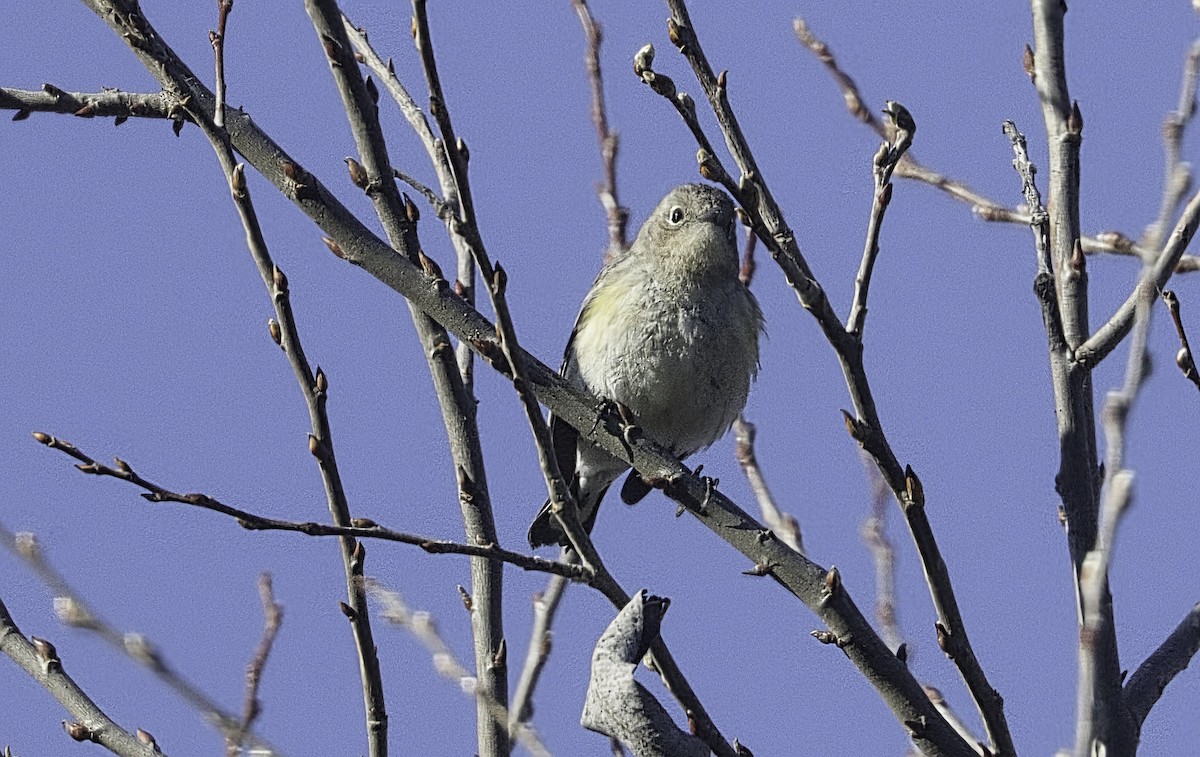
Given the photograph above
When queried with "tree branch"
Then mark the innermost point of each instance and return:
(421, 625)
(315, 389)
(251, 707)
(1184, 358)
(399, 217)
(1077, 481)
(767, 219)
(359, 528)
(352, 241)
(40, 660)
(109, 103)
(545, 606)
(1148, 682)
(617, 214)
(73, 611)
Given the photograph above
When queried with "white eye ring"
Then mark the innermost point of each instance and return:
(675, 217)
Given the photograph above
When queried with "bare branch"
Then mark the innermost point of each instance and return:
(618, 215)
(40, 660)
(1184, 358)
(423, 627)
(902, 128)
(1148, 682)
(111, 103)
(217, 38)
(984, 208)
(939, 701)
(251, 707)
(1076, 481)
(1177, 177)
(545, 606)
(617, 705)
(768, 222)
(784, 525)
(1154, 279)
(73, 611)
(314, 387)
(359, 528)
(451, 380)
(883, 554)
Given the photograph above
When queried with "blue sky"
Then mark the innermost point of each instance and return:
(134, 324)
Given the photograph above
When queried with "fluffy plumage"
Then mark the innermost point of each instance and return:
(670, 332)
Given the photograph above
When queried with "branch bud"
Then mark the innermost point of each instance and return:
(334, 247)
(1075, 120)
(358, 175)
(643, 60)
(237, 182)
(275, 331)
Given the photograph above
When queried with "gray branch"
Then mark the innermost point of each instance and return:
(1171, 658)
(354, 242)
(39, 659)
(617, 705)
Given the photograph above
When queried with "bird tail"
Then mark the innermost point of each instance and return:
(546, 530)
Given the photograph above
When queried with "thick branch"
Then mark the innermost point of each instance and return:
(110, 103)
(1172, 657)
(1077, 481)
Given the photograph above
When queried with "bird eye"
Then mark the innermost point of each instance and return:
(676, 216)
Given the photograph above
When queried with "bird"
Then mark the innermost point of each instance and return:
(668, 333)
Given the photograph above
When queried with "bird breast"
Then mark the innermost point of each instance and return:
(682, 361)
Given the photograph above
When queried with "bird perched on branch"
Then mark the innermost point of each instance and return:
(669, 332)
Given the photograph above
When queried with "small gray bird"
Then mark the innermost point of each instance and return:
(670, 332)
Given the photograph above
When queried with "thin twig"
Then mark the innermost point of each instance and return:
(40, 660)
(1154, 279)
(617, 214)
(784, 525)
(1184, 358)
(983, 207)
(217, 38)
(423, 627)
(902, 129)
(272, 620)
(359, 528)
(451, 378)
(314, 387)
(1177, 175)
(1091, 732)
(541, 638)
(883, 554)
(73, 611)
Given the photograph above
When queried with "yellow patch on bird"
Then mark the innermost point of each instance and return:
(601, 313)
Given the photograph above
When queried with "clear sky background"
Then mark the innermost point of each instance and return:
(133, 323)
